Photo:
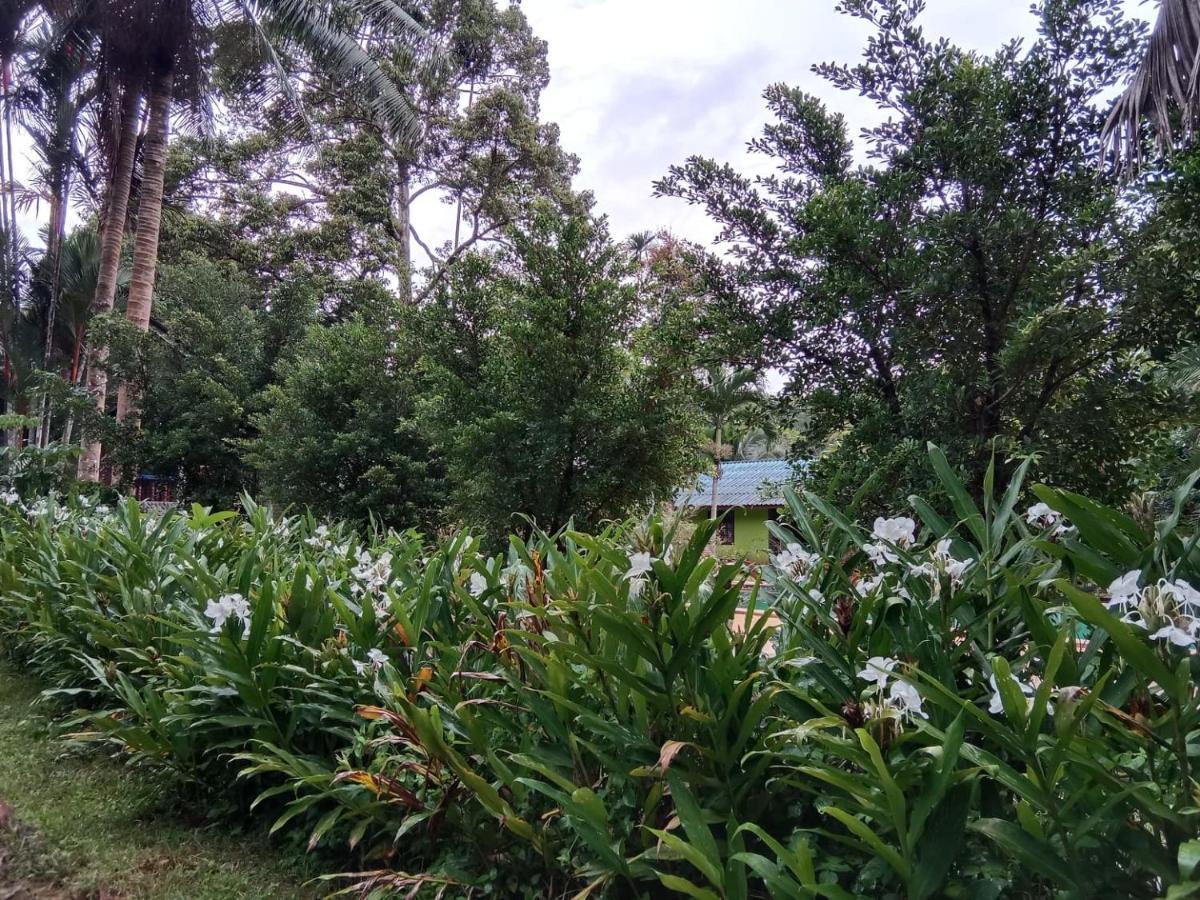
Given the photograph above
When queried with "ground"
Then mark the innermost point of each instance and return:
(78, 825)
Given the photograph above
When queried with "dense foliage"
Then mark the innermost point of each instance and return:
(988, 703)
(339, 433)
(977, 281)
(965, 272)
(285, 238)
(552, 394)
(439, 639)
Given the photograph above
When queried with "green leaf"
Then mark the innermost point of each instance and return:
(326, 822)
(941, 844)
(1112, 533)
(1189, 859)
(897, 808)
(864, 833)
(1010, 694)
(705, 864)
(937, 786)
(1003, 514)
(683, 886)
(1183, 496)
(1133, 647)
(964, 506)
(691, 817)
(1027, 850)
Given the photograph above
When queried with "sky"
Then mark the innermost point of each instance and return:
(637, 85)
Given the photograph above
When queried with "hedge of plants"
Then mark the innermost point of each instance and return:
(980, 701)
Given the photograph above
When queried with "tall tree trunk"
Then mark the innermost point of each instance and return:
(8, 177)
(149, 221)
(12, 172)
(54, 245)
(75, 354)
(111, 235)
(5, 177)
(458, 212)
(9, 434)
(404, 274)
(712, 514)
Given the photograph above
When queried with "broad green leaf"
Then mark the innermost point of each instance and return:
(864, 833)
(1025, 849)
(1132, 646)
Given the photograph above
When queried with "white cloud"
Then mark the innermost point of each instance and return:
(637, 85)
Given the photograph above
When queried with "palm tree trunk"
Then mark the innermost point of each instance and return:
(716, 470)
(112, 234)
(5, 221)
(75, 354)
(149, 221)
(10, 434)
(8, 180)
(54, 244)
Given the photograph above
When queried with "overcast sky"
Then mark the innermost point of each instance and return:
(637, 85)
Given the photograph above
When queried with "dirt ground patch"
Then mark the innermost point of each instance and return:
(78, 825)
(29, 868)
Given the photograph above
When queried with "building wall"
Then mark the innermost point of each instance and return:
(751, 538)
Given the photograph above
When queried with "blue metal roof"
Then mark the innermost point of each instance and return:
(742, 483)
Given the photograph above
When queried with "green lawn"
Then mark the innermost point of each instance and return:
(75, 825)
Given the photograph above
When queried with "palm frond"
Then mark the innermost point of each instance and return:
(1184, 370)
(1162, 91)
(309, 24)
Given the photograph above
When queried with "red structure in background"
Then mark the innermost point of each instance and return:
(147, 488)
(154, 488)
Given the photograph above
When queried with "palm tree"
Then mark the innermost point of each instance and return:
(726, 392)
(763, 441)
(79, 270)
(153, 45)
(13, 14)
(18, 334)
(145, 240)
(112, 232)
(1185, 371)
(1164, 89)
(51, 107)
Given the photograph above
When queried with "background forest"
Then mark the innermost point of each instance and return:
(323, 266)
(244, 300)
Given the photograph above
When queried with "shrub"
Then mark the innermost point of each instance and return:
(31, 471)
(984, 703)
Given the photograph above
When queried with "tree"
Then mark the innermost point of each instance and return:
(60, 301)
(970, 284)
(726, 392)
(158, 47)
(112, 234)
(545, 399)
(78, 271)
(344, 214)
(19, 338)
(204, 375)
(50, 101)
(1165, 89)
(145, 242)
(340, 435)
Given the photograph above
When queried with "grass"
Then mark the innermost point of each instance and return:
(75, 825)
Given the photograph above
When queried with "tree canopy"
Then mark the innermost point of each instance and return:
(963, 276)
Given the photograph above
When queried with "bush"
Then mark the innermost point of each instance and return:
(990, 703)
(339, 434)
(31, 471)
